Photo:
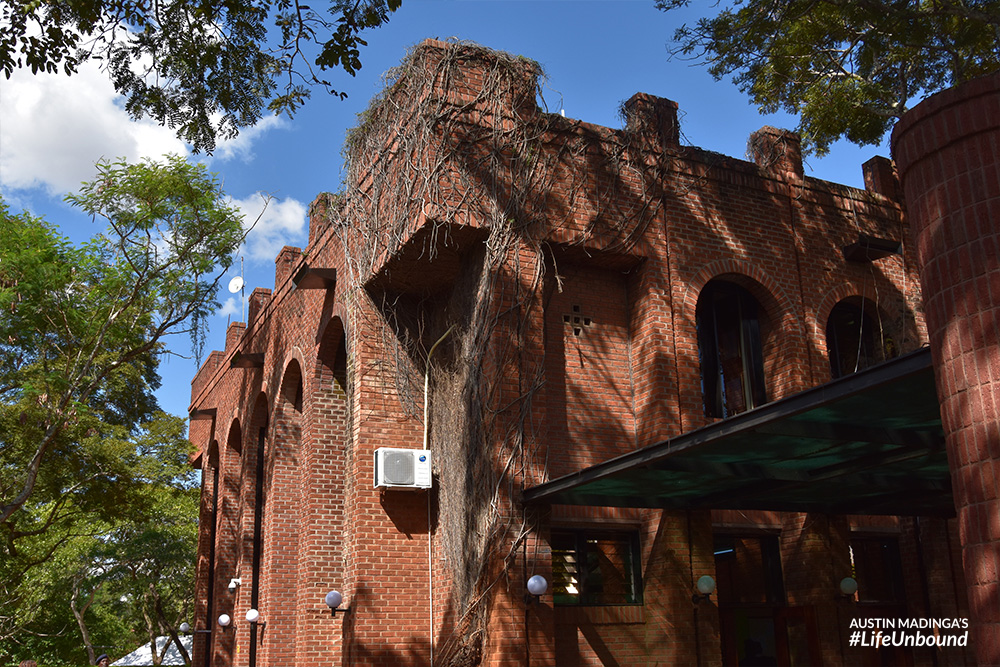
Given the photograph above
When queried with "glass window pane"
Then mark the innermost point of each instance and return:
(595, 567)
(748, 570)
(730, 349)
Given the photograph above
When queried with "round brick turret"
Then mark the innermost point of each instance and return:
(947, 150)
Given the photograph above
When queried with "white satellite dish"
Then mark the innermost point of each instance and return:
(236, 284)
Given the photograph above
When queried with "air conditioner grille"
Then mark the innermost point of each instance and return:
(398, 468)
(403, 468)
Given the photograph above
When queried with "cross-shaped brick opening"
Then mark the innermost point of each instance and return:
(577, 321)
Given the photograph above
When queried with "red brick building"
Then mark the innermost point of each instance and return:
(631, 364)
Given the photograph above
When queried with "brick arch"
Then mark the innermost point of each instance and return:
(779, 325)
(282, 516)
(778, 308)
(847, 290)
(206, 577)
(334, 314)
(331, 354)
(322, 485)
(274, 373)
(254, 445)
(866, 296)
(336, 322)
(765, 286)
(294, 362)
(227, 541)
(288, 393)
(234, 438)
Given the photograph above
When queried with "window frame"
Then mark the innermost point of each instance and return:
(867, 352)
(771, 568)
(581, 538)
(749, 349)
(889, 572)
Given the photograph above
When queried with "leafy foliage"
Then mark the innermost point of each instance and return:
(203, 68)
(82, 446)
(847, 68)
(113, 577)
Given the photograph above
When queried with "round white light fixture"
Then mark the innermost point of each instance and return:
(537, 585)
(333, 600)
(185, 628)
(706, 585)
(225, 620)
(252, 615)
(848, 586)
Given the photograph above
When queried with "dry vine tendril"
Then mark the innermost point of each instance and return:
(456, 145)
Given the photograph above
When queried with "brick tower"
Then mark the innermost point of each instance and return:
(948, 153)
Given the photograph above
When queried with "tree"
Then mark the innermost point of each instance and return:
(847, 68)
(114, 581)
(203, 68)
(81, 329)
(146, 558)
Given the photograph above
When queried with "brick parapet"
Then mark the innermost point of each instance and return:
(777, 151)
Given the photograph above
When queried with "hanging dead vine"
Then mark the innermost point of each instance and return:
(455, 148)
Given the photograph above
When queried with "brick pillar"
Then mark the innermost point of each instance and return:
(948, 153)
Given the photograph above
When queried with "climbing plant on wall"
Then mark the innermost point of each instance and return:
(456, 148)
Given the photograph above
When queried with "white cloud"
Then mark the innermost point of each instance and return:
(241, 146)
(282, 223)
(53, 128)
(230, 306)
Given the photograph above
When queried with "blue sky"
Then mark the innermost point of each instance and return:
(595, 54)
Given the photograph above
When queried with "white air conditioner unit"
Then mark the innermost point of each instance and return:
(403, 468)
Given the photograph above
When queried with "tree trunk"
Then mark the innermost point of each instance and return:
(78, 615)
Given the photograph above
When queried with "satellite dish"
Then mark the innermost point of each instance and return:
(236, 284)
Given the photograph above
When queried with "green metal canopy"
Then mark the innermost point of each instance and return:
(868, 443)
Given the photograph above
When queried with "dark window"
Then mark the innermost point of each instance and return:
(595, 567)
(850, 339)
(729, 348)
(748, 570)
(877, 569)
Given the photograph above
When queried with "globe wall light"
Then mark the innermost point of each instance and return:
(185, 629)
(333, 600)
(225, 621)
(705, 587)
(848, 587)
(253, 618)
(537, 585)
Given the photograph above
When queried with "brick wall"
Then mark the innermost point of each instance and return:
(560, 289)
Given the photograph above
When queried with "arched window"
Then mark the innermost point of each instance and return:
(850, 340)
(729, 348)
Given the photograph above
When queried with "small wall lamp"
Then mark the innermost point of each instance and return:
(848, 587)
(537, 585)
(253, 618)
(705, 587)
(225, 621)
(333, 600)
(185, 629)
